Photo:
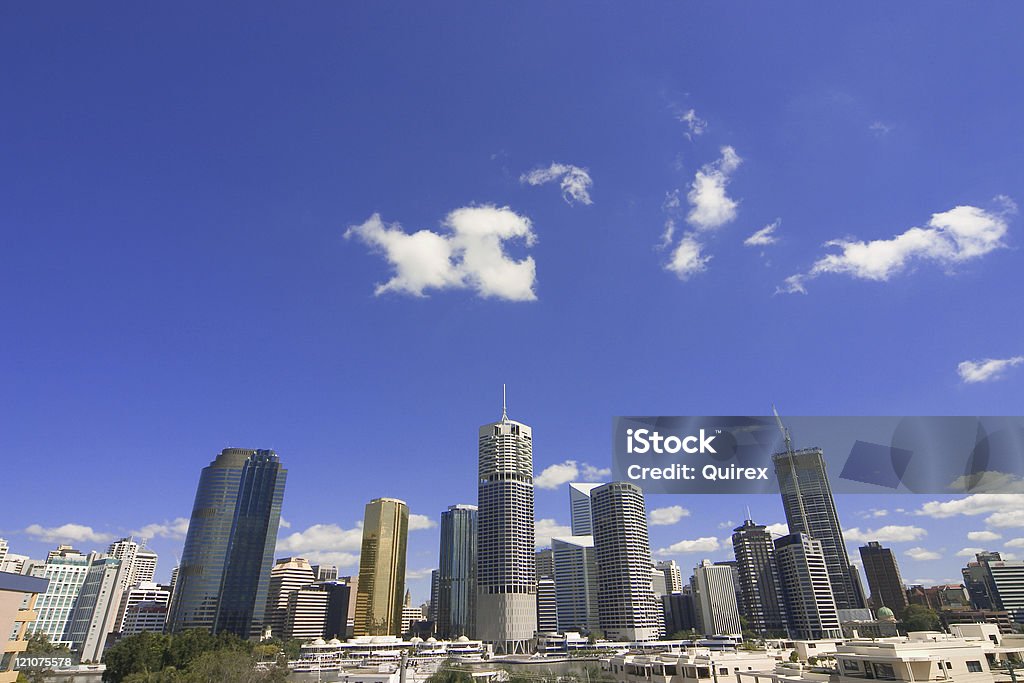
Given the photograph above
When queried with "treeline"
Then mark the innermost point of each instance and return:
(196, 656)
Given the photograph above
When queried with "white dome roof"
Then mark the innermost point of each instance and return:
(462, 639)
(431, 639)
(319, 641)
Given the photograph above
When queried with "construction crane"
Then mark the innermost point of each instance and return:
(791, 458)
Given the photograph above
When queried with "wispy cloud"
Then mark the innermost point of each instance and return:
(705, 544)
(688, 258)
(949, 238)
(711, 205)
(893, 533)
(74, 533)
(880, 129)
(987, 370)
(668, 515)
(695, 125)
(469, 254)
(710, 208)
(765, 236)
(574, 181)
(923, 554)
(175, 529)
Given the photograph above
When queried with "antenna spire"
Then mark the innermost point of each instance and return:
(504, 411)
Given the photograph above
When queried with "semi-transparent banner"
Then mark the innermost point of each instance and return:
(730, 454)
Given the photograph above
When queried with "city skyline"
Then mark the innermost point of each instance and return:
(177, 277)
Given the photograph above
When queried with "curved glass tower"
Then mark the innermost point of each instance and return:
(225, 567)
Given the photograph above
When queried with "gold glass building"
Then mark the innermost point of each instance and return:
(382, 568)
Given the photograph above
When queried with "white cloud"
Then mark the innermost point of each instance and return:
(687, 260)
(765, 236)
(284, 523)
(1004, 505)
(922, 582)
(923, 554)
(590, 474)
(987, 370)
(778, 529)
(880, 129)
(553, 476)
(893, 533)
(955, 236)
(712, 207)
(469, 255)
(418, 573)
(988, 481)
(1015, 543)
(1012, 518)
(321, 538)
(983, 536)
(704, 544)
(694, 124)
(546, 529)
(175, 529)
(418, 522)
(75, 533)
(574, 181)
(969, 552)
(668, 515)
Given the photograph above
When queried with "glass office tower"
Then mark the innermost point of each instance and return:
(225, 567)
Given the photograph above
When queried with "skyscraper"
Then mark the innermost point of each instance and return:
(806, 590)
(95, 612)
(714, 592)
(506, 604)
(382, 568)
(66, 569)
(673, 577)
(580, 515)
(761, 595)
(575, 583)
(811, 509)
(887, 589)
(224, 573)
(627, 608)
(140, 563)
(287, 575)
(999, 582)
(454, 610)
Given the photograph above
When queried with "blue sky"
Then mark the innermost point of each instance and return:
(177, 184)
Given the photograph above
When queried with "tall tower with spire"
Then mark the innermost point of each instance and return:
(506, 601)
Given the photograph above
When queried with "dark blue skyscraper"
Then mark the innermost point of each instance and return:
(225, 567)
(456, 574)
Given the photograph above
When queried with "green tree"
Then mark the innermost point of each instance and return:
(794, 657)
(449, 672)
(230, 665)
(144, 653)
(921, 618)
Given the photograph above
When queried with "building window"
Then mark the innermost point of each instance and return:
(974, 666)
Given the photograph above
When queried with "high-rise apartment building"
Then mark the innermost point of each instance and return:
(287, 575)
(627, 607)
(66, 570)
(580, 514)
(547, 605)
(811, 509)
(806, 588)
(760, 592)
(452, 606)
(224, 574)
(575, 583)
(506, 604)
(382, 568)
(714, 596)
(305, 613)
(672, 576)
(998, 582)
(887, 589)
(140, 563)
(95, 612)
(153, 599)
(325, 572)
